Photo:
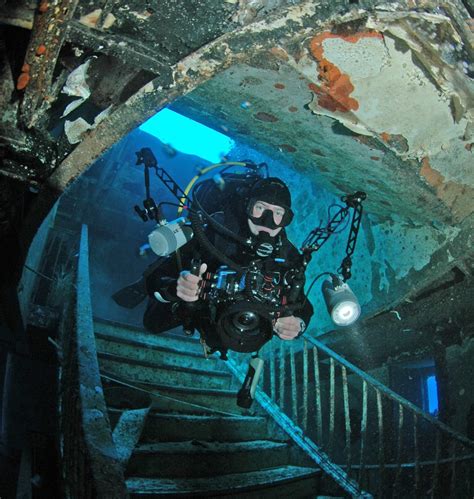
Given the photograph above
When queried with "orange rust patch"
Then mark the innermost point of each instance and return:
(25, 68)
(43, 7)
(22, 81)
(280, 86)
(385, 136)
(433, 177)
(41, 50)
(334, 91)
(457, 197)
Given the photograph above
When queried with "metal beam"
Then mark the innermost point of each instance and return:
(47, 37)
(125, 49)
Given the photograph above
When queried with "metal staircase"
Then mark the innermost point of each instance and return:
(194, 440)
(148, 415)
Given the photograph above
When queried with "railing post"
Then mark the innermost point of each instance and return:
(332, 402)
(282, 376)
(452, 492)
(305, 386)
(381, 435)
(435, 481)
(347, 418)
(272, 374)
(317, 387)
(396, 485)
(363, 429)
(294, 394)
(417, 455)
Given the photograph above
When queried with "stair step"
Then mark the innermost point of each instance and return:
(181, 427)
(196, 458)
(174, 338)
(284, 481)
(143, 351)
(175, 399)
(151, 372)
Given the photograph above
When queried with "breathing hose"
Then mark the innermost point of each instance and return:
(207, 245)
(201, 173)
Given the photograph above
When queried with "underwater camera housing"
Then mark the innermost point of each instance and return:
(244, 305)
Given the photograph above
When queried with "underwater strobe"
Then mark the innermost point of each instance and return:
(341, 302)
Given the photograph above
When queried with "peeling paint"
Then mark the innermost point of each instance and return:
(434, 178)
(91, 19)
(75, 130)
(336, 87)
(395, 90)
(458, 197)
(109, 21)
(142, 16)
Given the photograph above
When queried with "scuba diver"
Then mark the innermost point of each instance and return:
(235, 279)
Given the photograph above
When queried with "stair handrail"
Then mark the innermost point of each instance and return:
(390, 393)
(315, 452)
(90, 464)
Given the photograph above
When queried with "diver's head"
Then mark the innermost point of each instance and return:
(269, 207)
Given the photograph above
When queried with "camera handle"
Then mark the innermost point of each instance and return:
(187, 308)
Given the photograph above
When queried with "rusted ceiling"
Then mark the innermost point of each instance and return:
(364, 95)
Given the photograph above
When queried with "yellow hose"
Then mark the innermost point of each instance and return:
(201, 173)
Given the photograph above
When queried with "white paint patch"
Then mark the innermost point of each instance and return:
(91, 19)
(109, 21)
(76, 86)
(394, 94)
(146, 89)
(142, 16)
(364, 59)
(75, 130)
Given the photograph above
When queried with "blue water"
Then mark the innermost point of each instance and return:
(432, 389)
(188, 136)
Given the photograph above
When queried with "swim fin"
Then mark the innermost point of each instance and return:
(132, 295)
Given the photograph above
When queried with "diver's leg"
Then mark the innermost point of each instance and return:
(159, 317)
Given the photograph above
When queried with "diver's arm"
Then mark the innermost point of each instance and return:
(305, 312)
(162, 276)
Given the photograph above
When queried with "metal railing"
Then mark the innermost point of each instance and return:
(383, 442)
(89, 464)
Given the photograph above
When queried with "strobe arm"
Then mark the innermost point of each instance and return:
(150, 210)
(317, 237)
(355, 202)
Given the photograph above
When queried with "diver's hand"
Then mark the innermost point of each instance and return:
(187, 287)
(288, 328)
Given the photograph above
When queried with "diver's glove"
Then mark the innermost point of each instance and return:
(289, 328)
(188, 284)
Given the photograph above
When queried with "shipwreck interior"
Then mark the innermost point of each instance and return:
(334, 98)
